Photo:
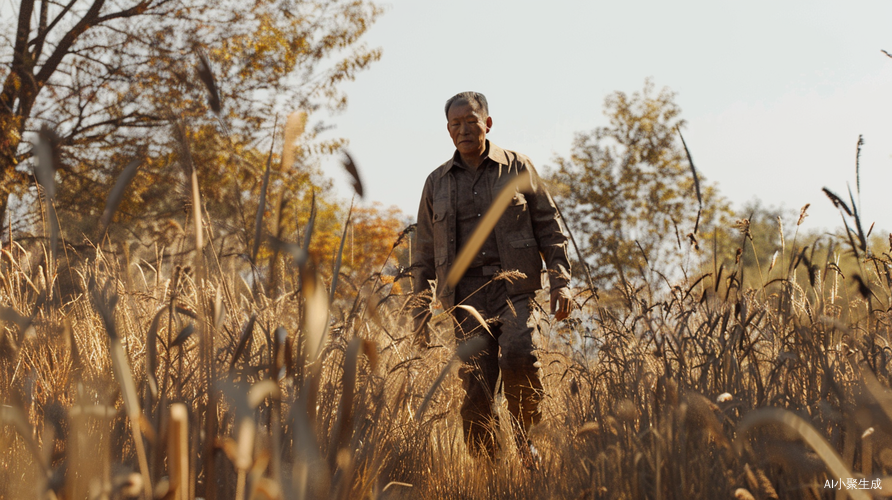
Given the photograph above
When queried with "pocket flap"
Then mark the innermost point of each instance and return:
(526, 243)
(440, 208)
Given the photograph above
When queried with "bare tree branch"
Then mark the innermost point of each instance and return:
(64, 45)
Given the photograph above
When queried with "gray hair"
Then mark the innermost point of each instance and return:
(475, 99)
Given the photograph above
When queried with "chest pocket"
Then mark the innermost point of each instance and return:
(440, 208)
(441, 230)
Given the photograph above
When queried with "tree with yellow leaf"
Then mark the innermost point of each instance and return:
(110, 76)
(373, 245)
(629, 194)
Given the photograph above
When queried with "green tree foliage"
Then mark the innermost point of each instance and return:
(110, 76)
(628, 194)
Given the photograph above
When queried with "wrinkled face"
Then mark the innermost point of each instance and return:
(467, 128)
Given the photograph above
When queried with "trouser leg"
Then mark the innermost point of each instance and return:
(479, 378)
(479, 375)
(518, 360)
(509, 349)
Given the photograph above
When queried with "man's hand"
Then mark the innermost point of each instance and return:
(561, 303)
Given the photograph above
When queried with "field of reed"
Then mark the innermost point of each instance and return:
(181, 378)
(203, 374)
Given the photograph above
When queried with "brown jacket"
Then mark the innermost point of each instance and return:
(529, 231)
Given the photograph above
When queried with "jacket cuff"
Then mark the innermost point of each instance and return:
(559, 278)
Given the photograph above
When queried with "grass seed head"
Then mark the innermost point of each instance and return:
(803, 213)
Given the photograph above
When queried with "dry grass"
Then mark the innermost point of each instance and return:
(178, 379)
(706, 392)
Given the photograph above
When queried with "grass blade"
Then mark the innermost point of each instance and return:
(308, 234)
(693, 169)
(315, 311)
(243, 340)
(47, 162)
(350, 166)
(837, 201)
(463, 353)
(207, 77)
(476, 315)
(696, 179)
(261, 206)
(777, 416)
(858, 166)
(182, 134)
(121, 368)
(337, 263)
(184, 335)
(178, 452)
(341, 430)
(117, 195)
(861, 239)
(152, 350)
(299, 255)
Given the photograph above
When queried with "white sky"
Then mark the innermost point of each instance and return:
(774, 93)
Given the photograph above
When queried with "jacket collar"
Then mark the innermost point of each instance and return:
(493, 152)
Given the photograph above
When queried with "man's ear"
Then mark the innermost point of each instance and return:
(488, 123)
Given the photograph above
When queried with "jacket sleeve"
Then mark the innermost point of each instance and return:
(548, 227)
(423, 267)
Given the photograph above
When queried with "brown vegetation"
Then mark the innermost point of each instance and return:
(177, 379)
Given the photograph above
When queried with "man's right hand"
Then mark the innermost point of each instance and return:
(561, 303)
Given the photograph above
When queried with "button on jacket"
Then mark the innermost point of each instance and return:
(528, 232)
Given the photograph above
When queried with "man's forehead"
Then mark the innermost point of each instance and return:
(475, 107)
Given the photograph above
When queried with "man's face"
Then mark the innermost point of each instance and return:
(467, 128)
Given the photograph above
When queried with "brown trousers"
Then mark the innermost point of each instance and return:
(509, 349)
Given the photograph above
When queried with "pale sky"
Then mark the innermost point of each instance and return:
(774, 93)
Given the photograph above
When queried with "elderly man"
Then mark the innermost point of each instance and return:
(456, 195)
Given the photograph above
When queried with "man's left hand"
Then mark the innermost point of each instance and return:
(561, 303)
